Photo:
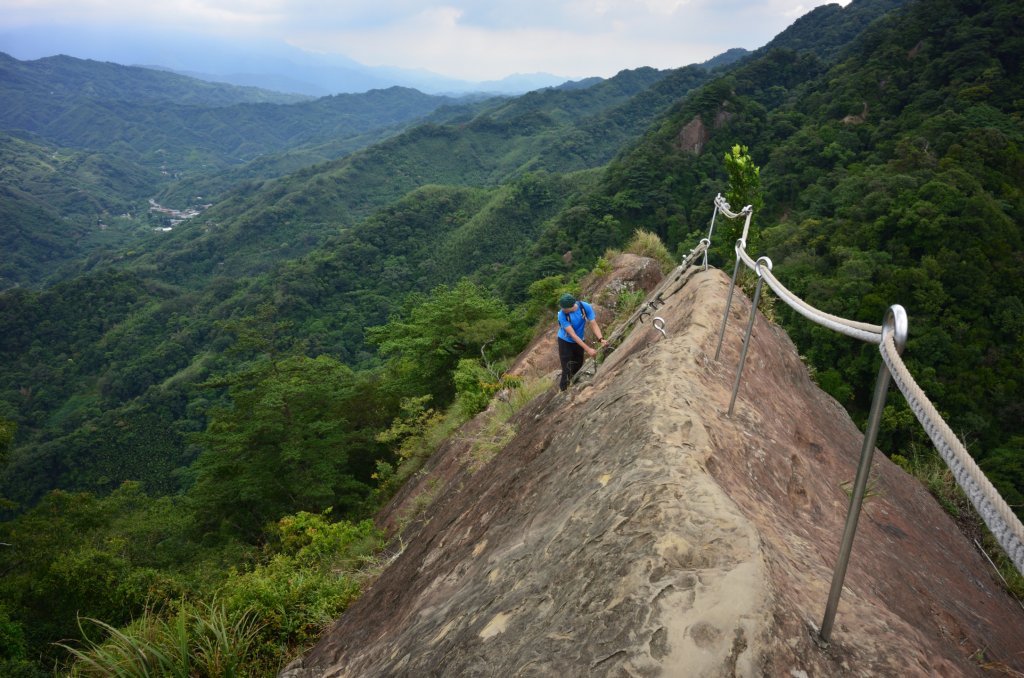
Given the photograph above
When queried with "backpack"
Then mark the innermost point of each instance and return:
(568, 319)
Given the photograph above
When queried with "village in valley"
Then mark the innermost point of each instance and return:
(175, 217)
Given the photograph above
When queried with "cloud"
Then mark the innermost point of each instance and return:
(472, 39)
(450, 40)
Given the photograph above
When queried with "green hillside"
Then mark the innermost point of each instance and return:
(63, 80)
(100, 140)
(225, 262)
(59, 205)
(164, 117)
(828, 30)
(263, 222)
(290, 349)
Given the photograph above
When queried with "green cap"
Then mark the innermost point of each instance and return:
(566, 301)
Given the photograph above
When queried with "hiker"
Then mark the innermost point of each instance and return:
(572, 322)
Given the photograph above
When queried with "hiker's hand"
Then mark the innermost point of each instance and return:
(591, 352)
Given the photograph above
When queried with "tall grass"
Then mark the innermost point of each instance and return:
(496, 431)
(647, 244)
(197, 640)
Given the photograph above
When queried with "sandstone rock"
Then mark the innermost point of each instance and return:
(693, 136)
(632, 528)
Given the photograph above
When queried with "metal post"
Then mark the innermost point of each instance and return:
(710, 231)
(728, 301)
(895, 323)
(763, 261)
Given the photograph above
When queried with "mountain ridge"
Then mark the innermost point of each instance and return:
(280, 68)
(630, 525)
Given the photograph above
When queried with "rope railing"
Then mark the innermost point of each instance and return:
(993, 509)
(891, 337)
(871, 334)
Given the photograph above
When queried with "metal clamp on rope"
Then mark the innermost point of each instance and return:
(648, 307)
(659, 324)
(706, 243)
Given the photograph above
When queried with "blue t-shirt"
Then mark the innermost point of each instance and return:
(578, 319)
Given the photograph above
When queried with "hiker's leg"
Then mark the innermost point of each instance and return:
(576, 361)
(566, 358)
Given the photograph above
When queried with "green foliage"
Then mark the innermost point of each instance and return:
(413, 436)
(602, 267)
(311, 575)
(927, 466)
(744, 188)
(289, 441)
(496, 430)
(744, 180)
(129, 562)
(21, 668)
(627, 302)
(476, 384)
(12, 637)
(473, 386)
(828, 29)
(7, 429)
(647, 244)
(76, 554)
(544, 295)
(203, 640)
(1004, 466)
(424, 344)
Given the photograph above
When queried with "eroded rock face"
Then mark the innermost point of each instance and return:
(693, 136)
(631, 528)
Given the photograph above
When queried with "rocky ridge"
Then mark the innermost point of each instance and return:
(632, 528)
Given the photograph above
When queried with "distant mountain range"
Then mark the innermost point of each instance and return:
(274, 67)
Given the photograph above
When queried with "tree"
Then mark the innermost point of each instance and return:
(744, 189)
(281, 446)
(425, 344)
(7, 429)
(744, 180)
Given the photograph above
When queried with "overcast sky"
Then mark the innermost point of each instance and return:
(467, 39)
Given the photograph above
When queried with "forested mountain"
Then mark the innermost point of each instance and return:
(827, 30)
(228, 260)
(261, 223)
(167, 119)
(57, 205)
(34, 86)
(893, 176)
(104, 139)
(889, 142)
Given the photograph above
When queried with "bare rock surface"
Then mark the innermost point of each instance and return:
(632, 528)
